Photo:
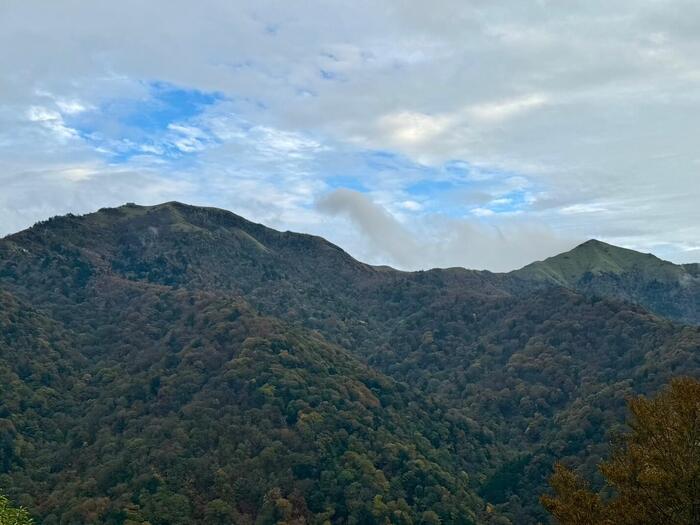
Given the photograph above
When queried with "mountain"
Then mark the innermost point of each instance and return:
(181, 408)
(594, 267)
(176, 364)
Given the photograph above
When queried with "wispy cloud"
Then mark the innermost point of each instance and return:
(52, 121)
(504, 109)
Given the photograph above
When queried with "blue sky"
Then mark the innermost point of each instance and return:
(461, 129)
(122, 128)
(176, 127)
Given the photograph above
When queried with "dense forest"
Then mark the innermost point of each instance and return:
(653, 475)
(175, 364)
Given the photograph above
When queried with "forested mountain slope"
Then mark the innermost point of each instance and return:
(176, 407)
(175, 364)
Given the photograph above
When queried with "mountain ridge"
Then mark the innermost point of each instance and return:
(184, 365)
(593, 267)
(588, 246)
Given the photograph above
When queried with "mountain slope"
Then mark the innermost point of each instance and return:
(190, 408)
(541, 377)
(183, 365)
(598, 268)
(162, 396)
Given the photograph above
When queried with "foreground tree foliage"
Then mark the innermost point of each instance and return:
(654, 472)
(10, 515)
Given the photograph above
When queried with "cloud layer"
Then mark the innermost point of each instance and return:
(457, 133)
(437, 241)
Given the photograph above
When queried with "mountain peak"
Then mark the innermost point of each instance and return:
(595, 243)
(599, 268)
(179, 244)
(595, 257)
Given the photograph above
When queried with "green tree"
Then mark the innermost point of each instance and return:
(654, 471)
(12, 516)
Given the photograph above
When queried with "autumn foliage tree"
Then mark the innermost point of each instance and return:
(654, 471)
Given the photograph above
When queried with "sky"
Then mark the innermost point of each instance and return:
(416, 134)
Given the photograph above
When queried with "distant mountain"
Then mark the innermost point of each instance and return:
(594, 267)
(175, 364)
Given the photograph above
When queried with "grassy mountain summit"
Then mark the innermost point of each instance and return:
(596, 267)
(177, 364)
(596, 258)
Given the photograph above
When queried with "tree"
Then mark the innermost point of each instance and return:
(654, 471)
(12, 516)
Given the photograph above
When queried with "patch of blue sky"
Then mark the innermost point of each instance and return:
(365, 170)
(168, 104)
(347, 182)
(451, 188)
(438, 182)
(431, 187)
(124, 128)
(382, 161)
(457, 168)
(457, 189)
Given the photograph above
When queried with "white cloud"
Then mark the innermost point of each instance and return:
(187, 139)
(70, 107)
(408, 128)
(594, 108)
(482, 212)
(412, 205)
(501, 201)
(39, 114)
(505, 109)
(278, 141)
(583, 208)
(429, 241)
(51, 120)
(77, 173)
